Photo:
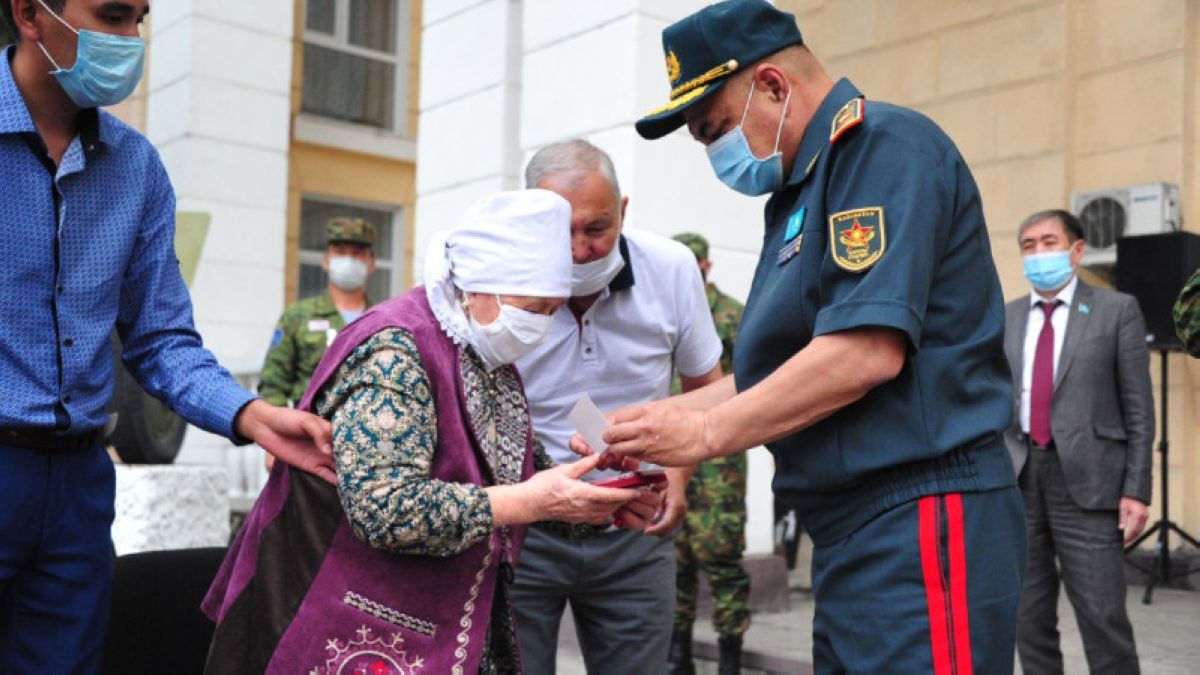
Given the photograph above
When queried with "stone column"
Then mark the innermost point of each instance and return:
(218, 110)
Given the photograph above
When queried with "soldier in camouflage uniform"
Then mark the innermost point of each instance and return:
(714, 532)
(1187, 315)
(308, 327)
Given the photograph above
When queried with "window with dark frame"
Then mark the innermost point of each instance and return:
(353, 69)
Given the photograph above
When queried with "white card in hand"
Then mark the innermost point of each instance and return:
(590, 422)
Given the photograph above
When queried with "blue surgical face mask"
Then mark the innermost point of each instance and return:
(107, 67)
(1048, 271)
(735, 164)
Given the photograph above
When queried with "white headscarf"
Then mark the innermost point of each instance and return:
(509, 243)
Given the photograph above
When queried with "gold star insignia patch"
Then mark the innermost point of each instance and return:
(857, 238)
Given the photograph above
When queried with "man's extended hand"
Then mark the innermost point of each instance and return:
(674, 506)
(300, 439)
(1132, 517)
(660, 432)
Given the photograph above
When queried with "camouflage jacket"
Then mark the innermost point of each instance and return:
(726, 314)
(1187, 315)
(301, 336)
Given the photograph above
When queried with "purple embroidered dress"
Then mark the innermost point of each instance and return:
(419, 428)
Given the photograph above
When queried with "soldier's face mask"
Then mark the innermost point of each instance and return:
(735, 164)
(107, 67)
(348, 273)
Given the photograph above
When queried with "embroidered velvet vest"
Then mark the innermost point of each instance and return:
(300, 593)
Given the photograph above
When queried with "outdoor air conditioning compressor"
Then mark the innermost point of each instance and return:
(1127, 211)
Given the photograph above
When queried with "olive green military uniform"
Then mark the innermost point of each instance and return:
(1187, 315)
(713, 534)
(307, 328)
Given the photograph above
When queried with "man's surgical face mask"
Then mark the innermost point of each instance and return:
(107, 67)
(735, 164)
(348, 273)
(592, 277)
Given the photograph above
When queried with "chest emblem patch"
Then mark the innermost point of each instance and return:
(794, 224)
(857, 238)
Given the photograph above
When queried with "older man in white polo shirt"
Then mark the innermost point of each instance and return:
(638, 312)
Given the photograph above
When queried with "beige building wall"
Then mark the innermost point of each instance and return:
(1044, 97)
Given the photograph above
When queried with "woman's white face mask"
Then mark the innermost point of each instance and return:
(515, 333)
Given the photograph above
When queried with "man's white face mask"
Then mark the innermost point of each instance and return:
(592, 277)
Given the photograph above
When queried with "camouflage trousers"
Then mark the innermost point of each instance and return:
(711, 540)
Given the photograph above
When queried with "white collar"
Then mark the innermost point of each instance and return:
(1065, 295)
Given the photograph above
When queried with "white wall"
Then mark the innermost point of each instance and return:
(218, 110)
(501, 78)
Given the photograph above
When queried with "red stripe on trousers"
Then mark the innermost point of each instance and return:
(958, 584)
(934, 593)
(950, 635)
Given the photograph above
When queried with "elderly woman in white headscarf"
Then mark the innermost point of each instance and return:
(405, 566)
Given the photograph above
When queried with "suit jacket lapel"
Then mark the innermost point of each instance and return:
(1076, 328)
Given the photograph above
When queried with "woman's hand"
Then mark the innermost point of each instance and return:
(559, 494)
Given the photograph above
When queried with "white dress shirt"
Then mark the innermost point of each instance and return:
(1037, 318)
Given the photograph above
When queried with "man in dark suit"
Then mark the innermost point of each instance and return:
(1083, 426)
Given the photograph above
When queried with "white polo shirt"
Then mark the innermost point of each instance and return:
(652, 318)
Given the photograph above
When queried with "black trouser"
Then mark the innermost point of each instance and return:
(1082, 548)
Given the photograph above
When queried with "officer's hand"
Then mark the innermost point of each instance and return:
(659, 432)
(300, 439)
(607, 460)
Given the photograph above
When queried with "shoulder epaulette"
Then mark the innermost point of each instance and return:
(850, 116)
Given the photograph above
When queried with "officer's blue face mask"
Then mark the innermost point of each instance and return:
(1048, 271)
(735, 164)
(107, 67)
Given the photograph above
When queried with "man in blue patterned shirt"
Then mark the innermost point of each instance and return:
(87, 223)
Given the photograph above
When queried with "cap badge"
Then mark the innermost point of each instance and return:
(674, 70)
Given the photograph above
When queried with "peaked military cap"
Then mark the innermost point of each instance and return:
(350, 230)
(703, 49)
(695, 242)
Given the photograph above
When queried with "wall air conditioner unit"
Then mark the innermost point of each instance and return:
(1128, 211)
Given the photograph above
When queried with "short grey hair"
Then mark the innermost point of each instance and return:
(571, 160)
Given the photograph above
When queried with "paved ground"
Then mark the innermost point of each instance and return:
(1167, 633)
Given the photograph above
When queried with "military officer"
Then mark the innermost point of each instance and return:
(713, 534)
(870, 355)
(308, 327)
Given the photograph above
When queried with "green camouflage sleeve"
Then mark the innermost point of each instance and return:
(727, 314)
(279, 368)
(1187, 315)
